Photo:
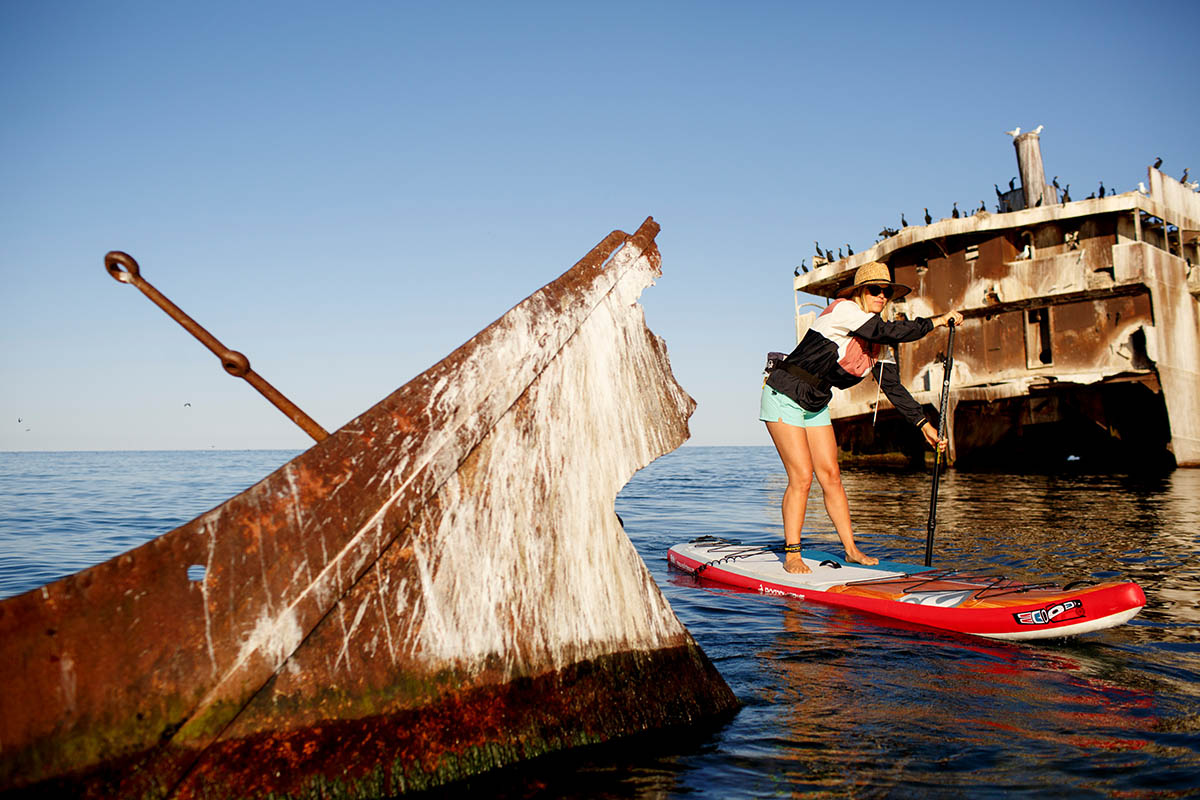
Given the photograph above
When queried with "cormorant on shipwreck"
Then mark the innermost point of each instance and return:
(1082, 331)
(438, 588)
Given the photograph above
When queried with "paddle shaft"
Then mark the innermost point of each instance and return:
(937, 459)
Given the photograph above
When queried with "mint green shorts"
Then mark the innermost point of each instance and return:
(777, 407)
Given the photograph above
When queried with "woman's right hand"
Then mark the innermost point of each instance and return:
(931, 437)
(944, 319)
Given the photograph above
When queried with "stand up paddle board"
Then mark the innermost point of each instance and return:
(967, 602)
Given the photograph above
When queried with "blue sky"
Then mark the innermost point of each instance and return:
(346, 192)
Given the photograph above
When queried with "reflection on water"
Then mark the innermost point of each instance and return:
(835, 702)
(941, 709)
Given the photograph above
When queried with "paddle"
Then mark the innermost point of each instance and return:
(937, 459)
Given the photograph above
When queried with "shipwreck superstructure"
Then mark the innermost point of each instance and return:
(1082, 333)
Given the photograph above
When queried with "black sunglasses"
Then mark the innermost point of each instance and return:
(886, 291)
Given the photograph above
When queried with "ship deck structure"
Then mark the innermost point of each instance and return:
(1082, 333)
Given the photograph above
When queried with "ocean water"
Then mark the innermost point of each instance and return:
(835, 703)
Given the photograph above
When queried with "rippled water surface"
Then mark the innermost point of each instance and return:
(836, 703)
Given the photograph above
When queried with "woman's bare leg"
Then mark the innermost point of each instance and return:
(822, 445)
(792, 444)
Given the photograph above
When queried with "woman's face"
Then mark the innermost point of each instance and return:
(873, 303)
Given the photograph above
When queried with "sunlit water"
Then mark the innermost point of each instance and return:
(836, 703)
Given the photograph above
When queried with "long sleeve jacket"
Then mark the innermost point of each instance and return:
(839, 350)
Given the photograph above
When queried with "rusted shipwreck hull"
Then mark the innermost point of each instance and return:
(438, 588)
(1082, 331)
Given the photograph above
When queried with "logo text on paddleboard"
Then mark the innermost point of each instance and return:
(1059, 612)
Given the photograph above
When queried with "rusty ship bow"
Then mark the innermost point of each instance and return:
(438, 588)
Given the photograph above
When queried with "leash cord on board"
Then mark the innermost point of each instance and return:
(719, 545)
(740, 551)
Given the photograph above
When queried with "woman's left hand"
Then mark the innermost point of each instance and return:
(931, 436)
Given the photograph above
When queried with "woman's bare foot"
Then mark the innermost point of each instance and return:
(793, 563)
(857, 556)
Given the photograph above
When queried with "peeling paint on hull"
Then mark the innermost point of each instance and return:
(439, 587)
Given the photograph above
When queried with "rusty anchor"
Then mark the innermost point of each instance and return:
(124, 268)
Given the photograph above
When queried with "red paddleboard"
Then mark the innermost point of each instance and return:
(967, 602)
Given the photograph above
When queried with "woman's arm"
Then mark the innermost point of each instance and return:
(944, 319)
(888, 376)
(930, 432)
(903, 330)
(889, 380)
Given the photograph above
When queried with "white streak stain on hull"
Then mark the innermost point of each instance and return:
(531, 563)
(273, 638)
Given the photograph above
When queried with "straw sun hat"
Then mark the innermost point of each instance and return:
(875, 273)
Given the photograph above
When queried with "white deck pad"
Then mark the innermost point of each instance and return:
(768, 565)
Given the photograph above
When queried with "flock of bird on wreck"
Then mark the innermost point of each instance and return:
(827, 256)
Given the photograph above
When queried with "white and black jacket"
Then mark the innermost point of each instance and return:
(837, 352)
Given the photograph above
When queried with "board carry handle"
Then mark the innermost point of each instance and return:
(124, 268)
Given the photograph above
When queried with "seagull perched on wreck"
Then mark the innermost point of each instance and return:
(1015, 132)
(1038, 129)
(1142, 188)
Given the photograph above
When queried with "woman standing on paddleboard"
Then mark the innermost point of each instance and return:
(837, 352)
